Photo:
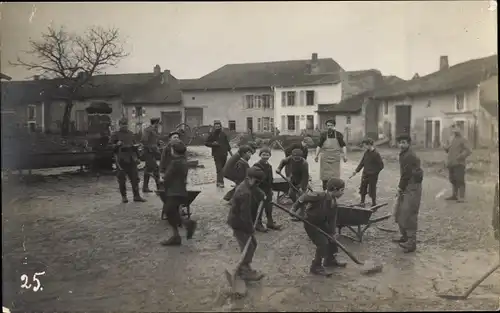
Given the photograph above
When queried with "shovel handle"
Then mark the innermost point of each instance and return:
(480, 280)
(247, 245)
(341, 246)
(290, 183)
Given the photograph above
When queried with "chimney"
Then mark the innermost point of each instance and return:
(36, 77)
(443, 62)
(165, 79)
(314, 64)
(157, 70)
(415, 76)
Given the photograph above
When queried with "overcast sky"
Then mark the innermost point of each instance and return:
(193, 39)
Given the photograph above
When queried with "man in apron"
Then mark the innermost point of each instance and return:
(332, 148)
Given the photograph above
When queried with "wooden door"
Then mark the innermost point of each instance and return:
(403, 120)
(193, 117)
(428, 133)
(170, 120)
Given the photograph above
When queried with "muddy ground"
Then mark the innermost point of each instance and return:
(99, 254)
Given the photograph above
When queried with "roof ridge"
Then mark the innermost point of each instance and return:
(274, 62)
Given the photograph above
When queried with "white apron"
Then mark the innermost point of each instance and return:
(329, 165)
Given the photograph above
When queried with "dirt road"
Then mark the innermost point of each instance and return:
(99, 254)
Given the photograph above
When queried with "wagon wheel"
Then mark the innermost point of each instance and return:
(186, 134)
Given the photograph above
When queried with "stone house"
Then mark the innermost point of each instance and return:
(356, 115)
(39, 103)
(246, 96)
(426, 106)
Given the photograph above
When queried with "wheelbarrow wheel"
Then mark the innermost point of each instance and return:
(186, 134)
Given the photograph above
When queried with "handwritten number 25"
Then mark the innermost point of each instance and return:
(25, 280)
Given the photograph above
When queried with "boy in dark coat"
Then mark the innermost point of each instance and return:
(267, 187)
(322, 212)
(166, 153)
(372, 165)
(174, 184)
(235, 169)
(247, 195)
(409, 195)
(218, 141)
(299, 172)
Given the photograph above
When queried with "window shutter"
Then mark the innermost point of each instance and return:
(259, 124)
(244, 104)
(271, 101)
(302, 98)
(283, 123)
(283, 99)
(297, 123)
(315, 100)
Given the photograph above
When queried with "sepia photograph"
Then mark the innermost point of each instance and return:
(267, 156)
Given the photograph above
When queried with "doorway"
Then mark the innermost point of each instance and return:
(403, 120)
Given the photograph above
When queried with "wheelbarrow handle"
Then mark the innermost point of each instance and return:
(290, 183)
(330, 237)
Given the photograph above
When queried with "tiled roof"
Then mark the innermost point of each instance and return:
(267, 74)
(460, 76)
(129, 86)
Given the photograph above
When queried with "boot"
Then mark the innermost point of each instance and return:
(404, 236)
(190, 228)
(261, 228)
(123, 192)
(409, 246)
(317, 269)
(172, 241)
(461, 194)
(272, 225)
(248, 274)
(145, 184)
(137, 196)
(362, 202)
(333, 262)
(453, 196)
(124, 199)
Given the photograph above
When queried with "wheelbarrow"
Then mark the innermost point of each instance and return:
(358, 219)
(281, 186)
(184, 208)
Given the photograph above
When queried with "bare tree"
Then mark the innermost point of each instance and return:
(73, 59)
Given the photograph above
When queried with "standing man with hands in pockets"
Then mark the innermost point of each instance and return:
(218, 141)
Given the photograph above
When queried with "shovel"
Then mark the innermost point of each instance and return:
(292, 185)
(369, 267)
(238, 285)
(471, 289)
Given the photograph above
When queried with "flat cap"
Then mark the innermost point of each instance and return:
(335, 184)
(256, 173)
(297, 152)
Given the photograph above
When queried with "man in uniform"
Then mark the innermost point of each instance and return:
(458, 150)
(322, 212)
(409, 195)
(126, 159)
(330, 145)
(218, 141)
(151, 151)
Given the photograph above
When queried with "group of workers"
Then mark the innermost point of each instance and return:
(254, 186)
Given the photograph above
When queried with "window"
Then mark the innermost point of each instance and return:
(232, 125)
(249, 123)
(291, 122)
(139, 111)
(259, 124)
(290, 97)
(257, 102)
(386, 107)
(460, 102)
(348, 119)
(310, 97)
(249, 99)
(310, 122)
(283, 98)
(271, 124)
(267, 101)
(266, 124)
(31, 116)
(461, 125)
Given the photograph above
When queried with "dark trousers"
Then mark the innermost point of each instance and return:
(324, 248)
(220, 161)
(292, 192)
(230, 193)
(128, 169)
(242, 239)
(268, 208)
(171, 207)
(323, 184)
(457, 180)
(368, 186)
(151, 169)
